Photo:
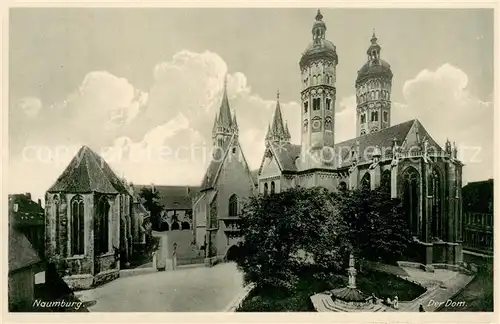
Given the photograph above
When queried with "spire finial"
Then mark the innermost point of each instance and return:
(374, 37)
(225, 81)
(319, 16)
(278, 94)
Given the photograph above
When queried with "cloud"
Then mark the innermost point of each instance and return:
(164, 135)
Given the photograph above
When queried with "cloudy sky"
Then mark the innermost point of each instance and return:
(131, 82)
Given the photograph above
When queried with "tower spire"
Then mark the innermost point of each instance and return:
(225, 119)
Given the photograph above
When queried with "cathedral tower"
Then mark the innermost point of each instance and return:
(373, 92)
(225, 125)
(318, 68)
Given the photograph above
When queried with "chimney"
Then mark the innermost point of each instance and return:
(28, 195)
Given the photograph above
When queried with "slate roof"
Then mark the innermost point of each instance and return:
(384, 139)
(211, 174)
(255, 176)
(349, 294)
(88, 172)
(21, 252)
(28, 212)
(286, 154)
(174, 197)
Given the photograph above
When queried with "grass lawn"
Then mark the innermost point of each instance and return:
(381, 284)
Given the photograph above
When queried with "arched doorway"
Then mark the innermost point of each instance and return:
(233, 253)
(411, 199)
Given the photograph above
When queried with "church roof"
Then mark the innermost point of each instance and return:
(409, 133)
(286, 154)
(213, 168)
(88, 172)
(174, 197)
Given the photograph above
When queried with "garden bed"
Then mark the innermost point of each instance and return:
(381, 284)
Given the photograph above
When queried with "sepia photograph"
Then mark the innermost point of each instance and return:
(245, 160)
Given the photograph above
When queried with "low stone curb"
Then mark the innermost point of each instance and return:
(233, 305)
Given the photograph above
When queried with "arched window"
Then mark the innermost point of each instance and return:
(386, 116)
(342, 186)
(374, 116)
(185, 225)
(316, 103)
(305, 107)
(57, 220)
(328, 103)
(273, 188)
(385, 180)
(363, 118)
(102, 227)
(233, 205)
(434, 192)
(175, 226)
(77, 228)
(366, 181)
(328, 123)
(265, 189)
(411, 199)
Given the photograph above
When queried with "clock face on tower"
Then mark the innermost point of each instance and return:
(316, 125)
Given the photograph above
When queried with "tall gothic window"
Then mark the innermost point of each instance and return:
(386, 116)
(434, 192)
(102, 225)
(366, 181)
(385, 181)
(265, 189)
(58, 220)
(328, 102)
(233, 205)
(305, 107)
(363, 118)
(77, 226)
(374, 116)
(273, 188)
(411, 199)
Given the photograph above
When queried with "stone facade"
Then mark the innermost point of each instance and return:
(226, 184)
(403, 157)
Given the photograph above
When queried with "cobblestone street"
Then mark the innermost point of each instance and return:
(185, 290)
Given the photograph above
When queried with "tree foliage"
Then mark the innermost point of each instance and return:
(151, 201)
(300, 228)
(376, 223)
(286, 231)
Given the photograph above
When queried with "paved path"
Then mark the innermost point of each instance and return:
(183, 290)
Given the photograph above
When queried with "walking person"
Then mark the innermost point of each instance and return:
(421, 308)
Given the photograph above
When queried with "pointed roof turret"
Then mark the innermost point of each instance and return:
(225, 119)
(287, 131)
(214, 128)
(277, 127)
(235, 124)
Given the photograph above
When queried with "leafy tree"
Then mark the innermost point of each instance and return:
(377, 227)
(151, 203)
(286, 232)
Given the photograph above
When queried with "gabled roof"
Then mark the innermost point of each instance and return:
(88, 172)
(286, 154)
(215, 164)
(408, 134)
(21, 252)
(174, 197)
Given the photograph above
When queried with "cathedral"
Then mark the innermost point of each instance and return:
(403, 157)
